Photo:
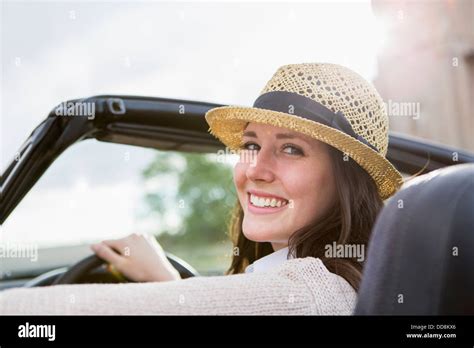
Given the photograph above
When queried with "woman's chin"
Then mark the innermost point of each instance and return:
(257, 234)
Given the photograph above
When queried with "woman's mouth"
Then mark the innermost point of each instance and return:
(265, 205)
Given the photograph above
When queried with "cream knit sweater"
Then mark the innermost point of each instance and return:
(296, 287)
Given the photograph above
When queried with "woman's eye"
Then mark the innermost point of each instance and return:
(250, 146)
(287, 148)
(293, 150)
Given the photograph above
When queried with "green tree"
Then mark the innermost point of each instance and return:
(202, 196)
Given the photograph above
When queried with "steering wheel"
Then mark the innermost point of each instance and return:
(93, 263)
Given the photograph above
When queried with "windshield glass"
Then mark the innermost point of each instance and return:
(98, 191)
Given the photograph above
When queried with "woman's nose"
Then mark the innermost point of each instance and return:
(260, 166)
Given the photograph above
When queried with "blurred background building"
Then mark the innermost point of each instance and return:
(428, 58)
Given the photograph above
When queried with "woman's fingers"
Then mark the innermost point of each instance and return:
(118, 244)
(106, 253)
(138, 257)
(124, 245)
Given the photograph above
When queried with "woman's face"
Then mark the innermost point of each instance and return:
(284, 181)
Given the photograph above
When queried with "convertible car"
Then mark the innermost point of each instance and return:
(179, 126)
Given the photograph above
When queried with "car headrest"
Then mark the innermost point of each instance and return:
(421, 253)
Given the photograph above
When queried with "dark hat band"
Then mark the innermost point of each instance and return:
(293, 103)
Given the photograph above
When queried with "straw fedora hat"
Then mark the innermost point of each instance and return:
(327, 102)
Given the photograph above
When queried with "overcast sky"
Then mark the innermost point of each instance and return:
(220, 52)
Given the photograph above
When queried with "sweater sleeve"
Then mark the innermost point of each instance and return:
(283, 291)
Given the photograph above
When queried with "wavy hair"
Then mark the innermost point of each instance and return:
(348, 222)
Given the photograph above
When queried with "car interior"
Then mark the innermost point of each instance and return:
(415, 265)
(420, 254)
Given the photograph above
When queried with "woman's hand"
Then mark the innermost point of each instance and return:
(138, 257)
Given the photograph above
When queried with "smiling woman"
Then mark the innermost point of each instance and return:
(318, 134)
(312, 175)
(298, 171)
(319, 206)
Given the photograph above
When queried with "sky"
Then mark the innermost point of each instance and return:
(221, 52)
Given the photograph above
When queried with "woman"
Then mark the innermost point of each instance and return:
(312, 176)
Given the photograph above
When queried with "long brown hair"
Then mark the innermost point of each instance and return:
(349, 221)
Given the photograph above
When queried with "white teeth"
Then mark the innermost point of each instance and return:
(266, 202)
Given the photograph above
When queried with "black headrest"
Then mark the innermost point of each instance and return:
(421, 254)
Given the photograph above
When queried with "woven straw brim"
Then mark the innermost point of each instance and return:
(227, 123)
